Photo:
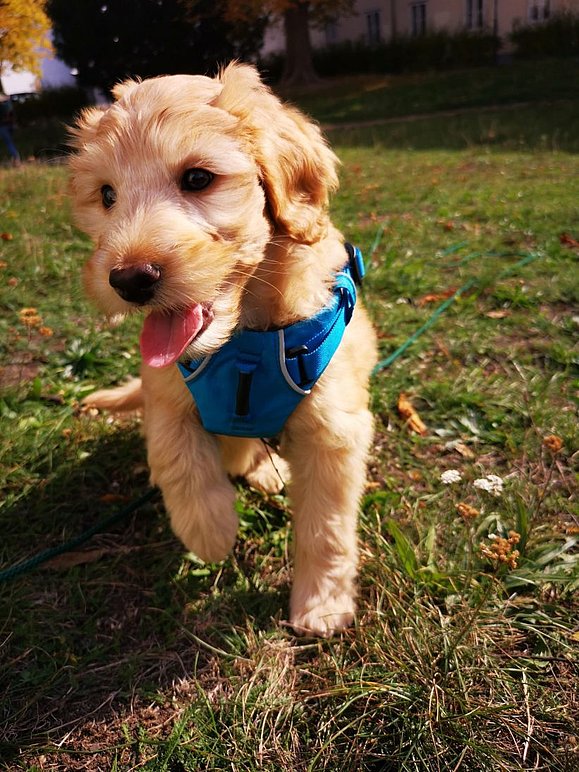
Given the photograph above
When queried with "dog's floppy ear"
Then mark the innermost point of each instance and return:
(298, 169)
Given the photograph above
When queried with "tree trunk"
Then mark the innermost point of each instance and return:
(299, 64)
(393, 20)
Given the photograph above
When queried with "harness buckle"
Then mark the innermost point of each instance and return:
(246, 366)
(297, 352)
(356, 263)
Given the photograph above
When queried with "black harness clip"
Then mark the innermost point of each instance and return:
(356, 263)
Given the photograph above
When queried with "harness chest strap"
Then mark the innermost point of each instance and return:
(253, 383)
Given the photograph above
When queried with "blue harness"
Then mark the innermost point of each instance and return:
(254, 382)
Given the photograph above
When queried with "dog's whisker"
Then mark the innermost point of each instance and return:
(263, 281)
(266, 283)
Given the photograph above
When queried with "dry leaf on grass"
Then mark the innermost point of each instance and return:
(408, 412)
(72, 559)
(435, 297)
(114, 498)
(464, 450)
(568, 241)
(83, 557)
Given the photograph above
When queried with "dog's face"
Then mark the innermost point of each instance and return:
(182, 183)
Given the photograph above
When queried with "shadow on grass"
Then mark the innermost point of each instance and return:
(84, 642)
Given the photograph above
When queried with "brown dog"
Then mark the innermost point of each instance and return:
(207, 202)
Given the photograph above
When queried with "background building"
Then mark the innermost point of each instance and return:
(376, 21)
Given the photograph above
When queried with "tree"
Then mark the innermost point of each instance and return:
(297, 16)
(24, 28)
(110, 40)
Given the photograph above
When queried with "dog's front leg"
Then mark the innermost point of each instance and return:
(327, 456)
(186, 465)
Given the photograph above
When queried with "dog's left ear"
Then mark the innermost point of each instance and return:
(298, 169)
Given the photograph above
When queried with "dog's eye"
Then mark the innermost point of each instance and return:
(108, 196)
(196, 179)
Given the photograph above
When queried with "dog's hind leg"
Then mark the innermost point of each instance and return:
(123, 398)
(328, 465)
(186, 464)
(254, 460)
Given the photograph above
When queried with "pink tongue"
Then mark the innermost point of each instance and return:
(165, 337)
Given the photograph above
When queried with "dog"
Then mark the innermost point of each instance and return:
(207, 201)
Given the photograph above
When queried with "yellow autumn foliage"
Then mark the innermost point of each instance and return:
(24, 28)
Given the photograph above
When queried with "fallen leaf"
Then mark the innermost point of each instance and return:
(498, 314)
(72, 559)
(113, 498)
(464, 450)
(6, 236)
(442, 348)
(408, 412)
(435, 297)
(568, 241)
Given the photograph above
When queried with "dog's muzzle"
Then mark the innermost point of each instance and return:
(136, 283)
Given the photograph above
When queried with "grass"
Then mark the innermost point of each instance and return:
(389, 96)
(128, 654)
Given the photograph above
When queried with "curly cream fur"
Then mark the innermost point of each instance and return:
(259, 245)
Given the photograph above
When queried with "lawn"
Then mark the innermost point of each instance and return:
(389, 96)
(125, 653)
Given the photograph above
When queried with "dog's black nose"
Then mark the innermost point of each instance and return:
(136, 283)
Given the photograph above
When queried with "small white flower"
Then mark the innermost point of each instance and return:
(450, 476)
(492, 484)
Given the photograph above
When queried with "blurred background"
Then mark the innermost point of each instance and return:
(59, 55)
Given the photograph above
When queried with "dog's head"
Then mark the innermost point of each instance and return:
(182, 183)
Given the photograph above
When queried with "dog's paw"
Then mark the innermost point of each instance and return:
(123, 398)
(323, 619)
(210, 531)
(270, 475)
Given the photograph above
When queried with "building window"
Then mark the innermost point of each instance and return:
(418, 26)
(474, 14)
(539, 10)
(373, 27)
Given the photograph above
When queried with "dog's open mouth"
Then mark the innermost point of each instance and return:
(166, 335)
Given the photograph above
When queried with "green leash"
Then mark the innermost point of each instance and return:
(42, 557)
(421, 330)
(525, 259)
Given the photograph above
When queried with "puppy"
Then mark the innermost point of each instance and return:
(207, 200)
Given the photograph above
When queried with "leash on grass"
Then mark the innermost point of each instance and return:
(26, 566)
(525, 258)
